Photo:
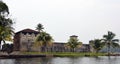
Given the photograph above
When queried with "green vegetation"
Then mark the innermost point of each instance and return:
(6, 29)
(96, 44)
(39, 27)
(3, 8)
(65, 54)
(43, 38)
(73, 43)
(110, 41)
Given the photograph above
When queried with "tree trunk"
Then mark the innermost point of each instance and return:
(0, 44)
(109, 50)
(4, 41)
(45, 47)
(73, 49)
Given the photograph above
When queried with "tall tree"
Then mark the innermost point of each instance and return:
(6, 29)
(73, 43)
(109, 40)
(3, 8)
(39, 27)
(96, 44)
(45, 39)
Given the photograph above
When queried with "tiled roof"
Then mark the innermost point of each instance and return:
(27, 31)
(73, 36)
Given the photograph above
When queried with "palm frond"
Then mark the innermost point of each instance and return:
(44, 38)
(115, 40)
(115, 45)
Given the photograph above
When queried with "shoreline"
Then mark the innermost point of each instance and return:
(53, 54)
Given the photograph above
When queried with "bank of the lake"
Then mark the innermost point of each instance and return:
(53, 54)
(65, 54)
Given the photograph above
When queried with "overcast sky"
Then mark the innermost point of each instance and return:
(88, 19)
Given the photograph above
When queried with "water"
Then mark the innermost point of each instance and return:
(64, 60)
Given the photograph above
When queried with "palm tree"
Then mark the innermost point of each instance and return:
(96, 44)
(6, 29)
(45, 39)
(110, 41)
(73, 43)
(39, 27)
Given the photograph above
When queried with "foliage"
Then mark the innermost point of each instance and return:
(73, 43)
(96, 44)
(3, 8)
(39, 27)
(64, 54)
(44, 39)
(109, 40)
(6, 29)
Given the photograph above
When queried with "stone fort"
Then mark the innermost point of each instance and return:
(24, 41)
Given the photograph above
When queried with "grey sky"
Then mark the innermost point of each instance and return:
(89, 19)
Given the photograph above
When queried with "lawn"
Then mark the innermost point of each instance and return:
(65, 54)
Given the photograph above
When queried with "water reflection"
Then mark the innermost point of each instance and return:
(63, 60)
(7, 61)
(42, 60)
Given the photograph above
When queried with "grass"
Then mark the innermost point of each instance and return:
(65, 54)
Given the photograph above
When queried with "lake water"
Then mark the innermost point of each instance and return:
(64, 60)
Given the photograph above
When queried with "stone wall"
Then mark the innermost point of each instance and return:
(26, 41)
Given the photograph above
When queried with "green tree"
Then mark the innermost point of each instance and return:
(44, 39)
(73, 43)
(6, 29)
(109, 40)
(96, 44)
(3, 8)
(39, 27)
